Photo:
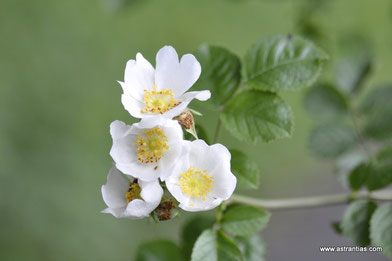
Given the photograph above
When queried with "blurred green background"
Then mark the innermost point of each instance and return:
(59, 62)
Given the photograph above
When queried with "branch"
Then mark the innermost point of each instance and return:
(309, 202)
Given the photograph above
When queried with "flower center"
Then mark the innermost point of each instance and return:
(196, 183)
(159, 101)
(133, 192)
(152, 146)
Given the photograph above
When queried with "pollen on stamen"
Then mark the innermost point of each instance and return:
(196, 183)
(159, 102)
(151, 146)
(133, 192)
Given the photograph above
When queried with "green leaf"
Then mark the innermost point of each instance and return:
(384, 159)
(201, 133)
(221, 73)
(325, 101)
(353, 63)
(244, 220)
(331, 140)
(309, 28)
(359, 175)
(245, 169)
(191, 231)
(346, 164)
(380, 175)
(158, 250)
(378, 99)
(253, 115)
(377, 108)
(379, 126)
(282, 63)
(381, 228)
(375, 174)
(253, 248)
(355, 222)
(215, 246)
(337, 227)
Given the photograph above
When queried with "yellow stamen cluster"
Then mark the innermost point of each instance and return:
(159, 102)
(152, 146)
(133, 192)
(196, 183)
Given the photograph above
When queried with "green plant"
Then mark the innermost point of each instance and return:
(245, 94)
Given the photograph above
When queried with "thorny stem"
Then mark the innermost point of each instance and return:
(217, 131)
(309, 202)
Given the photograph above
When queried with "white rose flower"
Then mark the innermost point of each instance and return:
(161, 91)
(146, 150)
(130, 199)
(202, 178)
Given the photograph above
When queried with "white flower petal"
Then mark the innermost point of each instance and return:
(166, 69)
(185, 100)
(114, 189)
(152, 192)
(170, 114)
(190, 71)
(150, 122)
(118, 129)
(124, 151)
(175, 190)
(139, 76)
(139, 170)
(225, 183)
(114, 196)
(116, 212)
(193, 206)
(174, 134)
(200, 95)
(215, 160)
(133, 106)
(173, 74)
(206, 157)
(171, 158)
(137, 209)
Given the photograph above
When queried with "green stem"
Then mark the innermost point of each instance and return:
(219, 212)
(309, 202)
(218, 131)
(360, 137)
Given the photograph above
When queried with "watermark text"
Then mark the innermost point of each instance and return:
(350, 249)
